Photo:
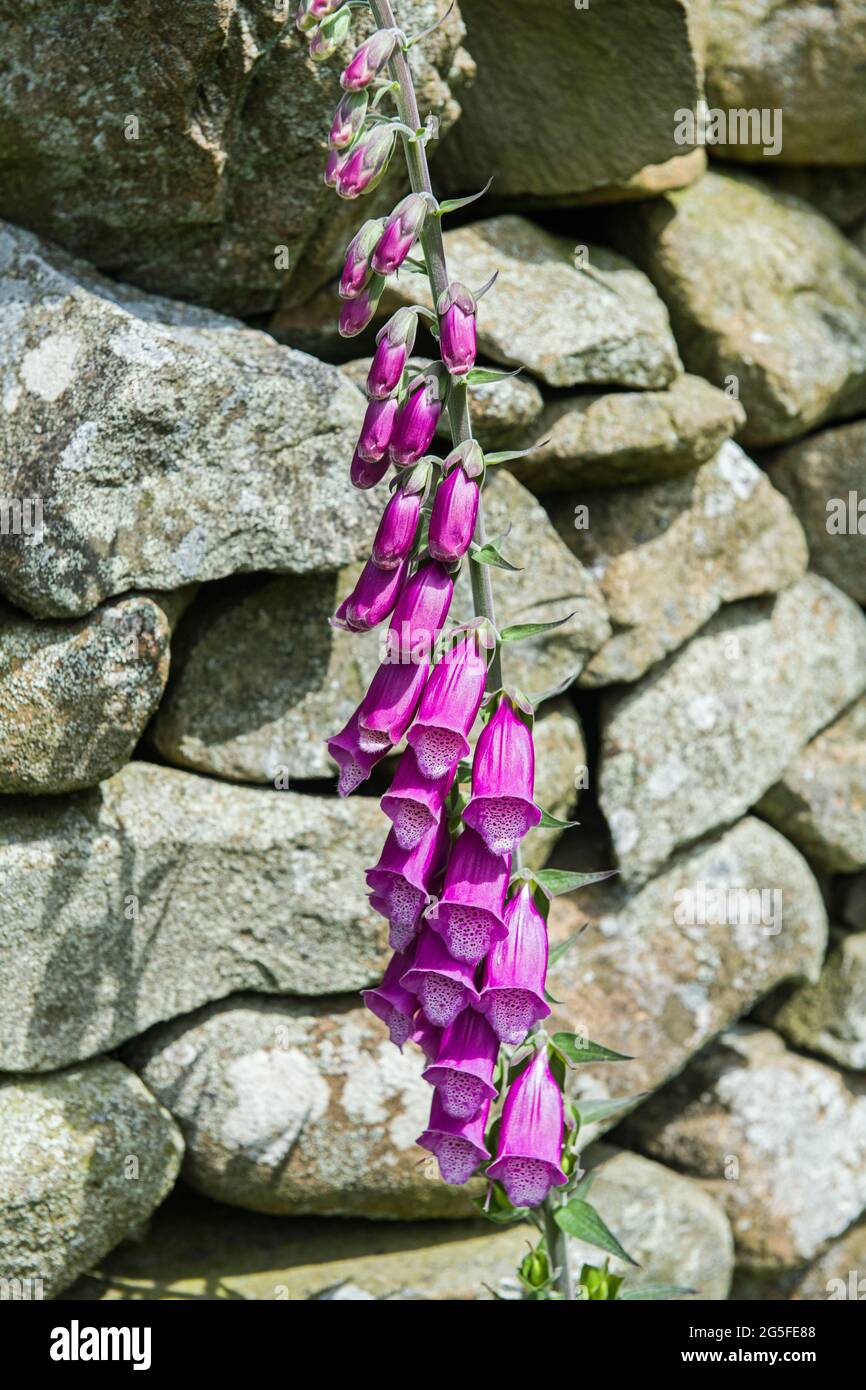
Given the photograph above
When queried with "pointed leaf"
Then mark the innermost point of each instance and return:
(554, 690)
(481, 376)
(549, 822)
(506, 455)
(580, 1220)
(559, 951)
(591, 1111)
(521, 631)
(490, 554)
(454, 204)
(578, 1049)
(555, 882)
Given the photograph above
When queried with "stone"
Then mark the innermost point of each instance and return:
(822, 477)
(159, 891)
(854, 908)
(75, 697)
(500, 411)
(298, 1107)
(570, 319)
(668, 554)
(820, 802)
(658, 972)
(560, 757)
(835, 1276)
(760, 288)
(603, 440)
(838, 193)
(667, 1221)
(186, 156)
(164, 444)
(801, 59)
(260, 680)
(85, 1156)
(700, 739)
(828, 1017)
(572, 105)
(766, 1131)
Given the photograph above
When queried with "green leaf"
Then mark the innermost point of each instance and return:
(580, 1220)
(549, 822)
(554, 690)
(490, 554)
(555, 882)
(481, 376)
(520, 631)
(559, 951)
(455, 204)
(591, 1111)
(654, 1291)
(506, 455)
(577, 1049)
(412, 263)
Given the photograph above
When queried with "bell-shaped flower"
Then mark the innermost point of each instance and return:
(395, 537)
(457, 1144)
(426, 1035)
(420, 613)
(401, 884)
(529, 1156)
(463, 1070)
(512, 993)
(369, 59)
(468, 914)
(501, 807)
(358, 313)
(414, 803)
(449, 708)
(452, 521)
(392, 1003)
(443, 985)
(354, 763)
(394, 344)
(386, 710)
(364, 165)
(402, 229)
(364, 474)
(348, 120)
(357, 269)
(457, 331)
(372, 599)
(376, 430)
(416, 423)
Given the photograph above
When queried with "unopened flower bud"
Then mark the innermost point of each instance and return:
(452, 522)
(312, 12)
(369, 60)
(377, 430)
(417, 420)
(396, 534)
(330, 34)
(401, 231)
(457, 336)
(365, 163)
(394, 344)
(365, 473)
(356, 267)
(348, 120)
(357, 313)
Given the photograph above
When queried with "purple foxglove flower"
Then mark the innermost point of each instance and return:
(420, 613)
(417, 420)
(364, 474)
(394, 343)
(452, 523)
(372, 598)
(348, 120)
(528, 1161)
(426, 1035)
(356, 267)
(443, 985)
(448, 709)
(330, 34)
(402, 230)
(377, 430)
(463, 1070)
(468, 915)
(401, 884)
(369, 59)
(355, 765)
(365, 163)
(389, 705)
(414, 803)
(396, 534)
(392, 1003)
(457, 1144)
(512, 995)
(356, 314)
(501, 807)
(311, 12)
(457, 309)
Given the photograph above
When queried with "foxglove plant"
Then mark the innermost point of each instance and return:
(467, 923)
